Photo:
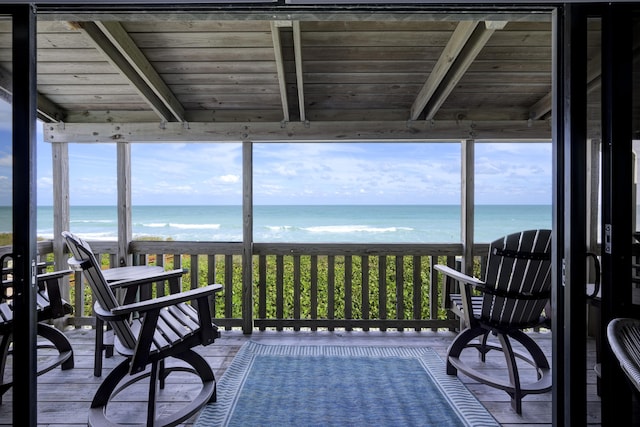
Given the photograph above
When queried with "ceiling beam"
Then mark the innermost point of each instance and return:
(48, 111)
(357, 131)
(297, 51)
(116, 59)
(121, 40)
(452, 50)
(543, 107)
(282, 81)
(463, 61)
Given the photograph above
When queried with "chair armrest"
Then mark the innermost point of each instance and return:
(166, 301)
(482, 286)
(465, 292)
(49, 289)
(152, 278)
(457, 275)
(54, 274)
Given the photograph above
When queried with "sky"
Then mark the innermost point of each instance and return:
(308, 173)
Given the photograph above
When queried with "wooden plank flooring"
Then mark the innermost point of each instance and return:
(64, 396)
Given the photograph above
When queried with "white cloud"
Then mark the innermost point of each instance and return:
(6, 160)
(232, 179)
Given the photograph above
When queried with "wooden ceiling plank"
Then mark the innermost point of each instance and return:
(282, 83)
(115, 58)
(127, 48)
(452, 50)
(472, 48)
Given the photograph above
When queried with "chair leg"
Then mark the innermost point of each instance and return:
(515, 388)
(97, 350)
(102, 345)
(460, 343)
(115, 382)
(151, 405)
(62, 345)
(514, 376)
(537, 356)
(4, 351)
(483, 349)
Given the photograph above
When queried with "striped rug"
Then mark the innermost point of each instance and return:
(281, 385)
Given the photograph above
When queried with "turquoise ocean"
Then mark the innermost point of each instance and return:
(301, 224)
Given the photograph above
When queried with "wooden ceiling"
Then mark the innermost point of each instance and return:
(292, 77)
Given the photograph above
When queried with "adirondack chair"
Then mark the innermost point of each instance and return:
(516, 289)
(49, 306)
(104, 341)
(147, 333)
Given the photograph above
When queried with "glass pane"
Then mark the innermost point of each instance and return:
(6, 149)
(187, 191)
(93, 191)
(357, 192)
(513, 188)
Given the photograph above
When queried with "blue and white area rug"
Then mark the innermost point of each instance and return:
(282, 385)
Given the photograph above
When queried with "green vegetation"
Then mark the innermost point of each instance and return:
(6, 239)
(331, 300)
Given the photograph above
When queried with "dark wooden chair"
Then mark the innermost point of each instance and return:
(147, 333)
(49, 306)
(135, 274)
(514, 293)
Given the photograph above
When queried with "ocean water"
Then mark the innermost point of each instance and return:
(301, 224)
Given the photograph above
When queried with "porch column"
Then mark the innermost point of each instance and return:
(468, 200)
(61, 211)
(124, 203)
(247, 237)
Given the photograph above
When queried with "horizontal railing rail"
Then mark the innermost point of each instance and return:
(298, 285)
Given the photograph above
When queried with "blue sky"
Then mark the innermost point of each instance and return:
(318, 173)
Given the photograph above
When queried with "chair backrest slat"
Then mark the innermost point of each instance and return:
(92, 273)
(518, 263)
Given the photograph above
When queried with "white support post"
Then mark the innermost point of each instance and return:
(468, 200)
(61, 211)
(125, 232)
(247, 237)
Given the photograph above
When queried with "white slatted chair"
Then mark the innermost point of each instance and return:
(516, 289)
(623, 335)
(147, 333)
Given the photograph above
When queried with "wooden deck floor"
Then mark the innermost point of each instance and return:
(64, 396)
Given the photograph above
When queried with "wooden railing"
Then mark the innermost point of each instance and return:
(350, 286)
(303, 286)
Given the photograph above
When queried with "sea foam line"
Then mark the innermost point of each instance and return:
(353, 229)
(183, 226)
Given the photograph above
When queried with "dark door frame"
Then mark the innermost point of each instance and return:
(24, 204)
(569, 205)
